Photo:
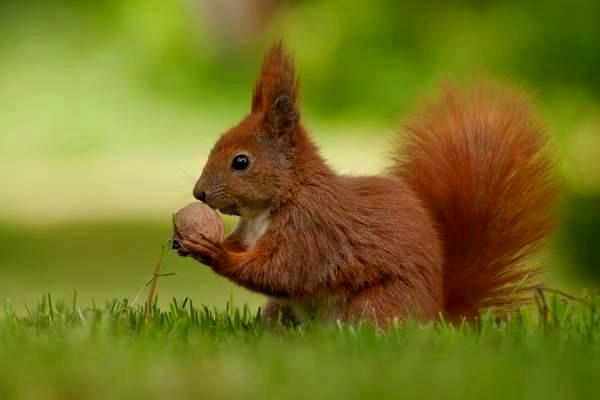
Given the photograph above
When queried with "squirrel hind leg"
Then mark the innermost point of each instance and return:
(274, 313)
(393, 302)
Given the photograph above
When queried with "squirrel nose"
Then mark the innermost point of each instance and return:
(200, 195)
(199, 191)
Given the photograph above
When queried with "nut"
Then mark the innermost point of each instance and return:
(197, 220)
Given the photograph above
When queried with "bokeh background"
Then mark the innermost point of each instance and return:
(108, 110)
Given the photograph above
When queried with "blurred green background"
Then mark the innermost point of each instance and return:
(108, 110)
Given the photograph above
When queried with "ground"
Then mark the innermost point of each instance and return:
(61, 350)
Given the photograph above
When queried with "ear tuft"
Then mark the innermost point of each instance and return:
(276, 90)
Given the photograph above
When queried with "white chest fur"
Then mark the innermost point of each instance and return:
(255, 227)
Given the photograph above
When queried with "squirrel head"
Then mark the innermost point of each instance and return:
(252, 167)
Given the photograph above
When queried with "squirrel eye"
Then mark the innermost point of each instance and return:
(240, 162)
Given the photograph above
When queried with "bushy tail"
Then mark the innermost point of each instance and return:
(477, 159)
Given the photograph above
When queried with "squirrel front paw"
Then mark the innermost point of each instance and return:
(202, 249)
(175, 245)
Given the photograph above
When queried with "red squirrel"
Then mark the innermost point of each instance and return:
(448, 231)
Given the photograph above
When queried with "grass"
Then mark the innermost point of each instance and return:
(85, 348)
(61, 350)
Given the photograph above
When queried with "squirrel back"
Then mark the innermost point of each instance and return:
(478, 161)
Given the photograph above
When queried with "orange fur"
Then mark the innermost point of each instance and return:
(447, 231)
(478, 161)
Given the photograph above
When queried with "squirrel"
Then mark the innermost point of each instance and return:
(447, 231)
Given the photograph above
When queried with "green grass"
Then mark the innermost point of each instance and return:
(63, 350)
(196, 349)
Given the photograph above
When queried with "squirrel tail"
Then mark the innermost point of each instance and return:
(478, 161)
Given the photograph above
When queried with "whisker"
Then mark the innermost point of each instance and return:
(187, 176)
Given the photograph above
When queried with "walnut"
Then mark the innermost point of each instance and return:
(196, 220)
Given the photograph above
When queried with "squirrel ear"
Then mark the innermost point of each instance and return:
(282, 115)
(276, 90)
